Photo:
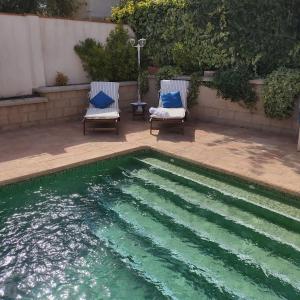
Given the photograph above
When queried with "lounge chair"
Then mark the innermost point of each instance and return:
(107, 116)
(174, 115)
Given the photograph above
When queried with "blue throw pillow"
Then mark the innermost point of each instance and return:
(171, 100)
(101, 100)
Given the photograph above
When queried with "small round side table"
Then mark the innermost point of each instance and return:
(139, 109)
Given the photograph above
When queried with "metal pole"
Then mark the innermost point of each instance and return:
(139, 69)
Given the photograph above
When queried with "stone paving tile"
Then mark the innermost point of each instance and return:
(266, 158)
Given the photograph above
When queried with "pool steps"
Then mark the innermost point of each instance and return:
(227, 245)
(232, 225)
(214, 270)
(179, 257)
(238, 239)
(134, 253)
(213, 202)
(252, 200)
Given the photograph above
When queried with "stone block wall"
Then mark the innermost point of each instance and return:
(55, 104)
(211, 108)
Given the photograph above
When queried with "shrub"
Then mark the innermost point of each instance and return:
(279, 93)
(233, 85)
(121, 56)
(61, 79)
(167, 72)
(94, 59)
(195, 82)
(114, 62)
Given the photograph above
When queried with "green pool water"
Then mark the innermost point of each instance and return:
(147, 226)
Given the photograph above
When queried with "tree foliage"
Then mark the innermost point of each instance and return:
(214, 34)
(55, 8)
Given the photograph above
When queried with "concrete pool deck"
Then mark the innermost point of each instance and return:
(262, 157)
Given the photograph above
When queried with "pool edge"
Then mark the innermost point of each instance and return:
(140, 148)
(70, 165)
(230, 173)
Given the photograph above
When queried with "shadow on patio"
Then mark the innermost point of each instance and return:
(256, 155)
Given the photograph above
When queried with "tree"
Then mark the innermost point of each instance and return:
(51, 8)
(216, 34)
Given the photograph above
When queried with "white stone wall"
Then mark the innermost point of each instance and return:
(21, 62)
(59, 37)
(33, 49)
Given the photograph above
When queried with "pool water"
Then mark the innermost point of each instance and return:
(147, 226)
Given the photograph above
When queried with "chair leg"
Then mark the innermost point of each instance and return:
(185, 117)
(117, 126)
(298, 148)
(150, 126)
(182, 124)
(84, 129)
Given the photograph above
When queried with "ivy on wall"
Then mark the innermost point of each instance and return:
(212, 34)
(233, 84)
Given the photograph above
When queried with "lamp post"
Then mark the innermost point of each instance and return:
(140, 44)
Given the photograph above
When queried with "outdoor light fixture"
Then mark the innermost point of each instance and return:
(140, 44)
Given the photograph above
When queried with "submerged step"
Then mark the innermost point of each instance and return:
(232, 213)
(240, 194)
(96, 273)
(153, 268)
(220, 240)
(215, 271)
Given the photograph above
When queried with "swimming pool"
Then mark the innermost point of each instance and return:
(147, 226)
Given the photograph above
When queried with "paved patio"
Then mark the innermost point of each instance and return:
(265, 158)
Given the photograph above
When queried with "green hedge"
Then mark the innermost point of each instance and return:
(280, 91)
(212, 34)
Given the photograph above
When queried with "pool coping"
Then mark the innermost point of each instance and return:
(151, 148)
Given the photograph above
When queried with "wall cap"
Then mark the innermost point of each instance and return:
(209, 79)
(22, 101)
(98, 20)
(257, 81)
(73, 87)
(59, 89)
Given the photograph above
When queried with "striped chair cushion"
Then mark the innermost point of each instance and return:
(109, 88)
(168, 86)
